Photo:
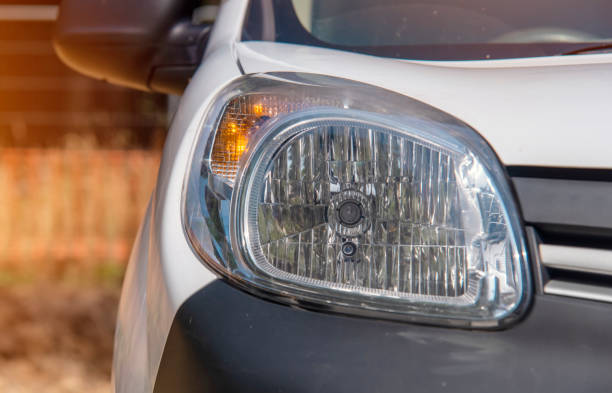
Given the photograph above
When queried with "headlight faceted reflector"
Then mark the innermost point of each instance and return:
(348, 205)
(356, 199)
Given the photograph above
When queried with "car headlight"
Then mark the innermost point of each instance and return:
(331, 194)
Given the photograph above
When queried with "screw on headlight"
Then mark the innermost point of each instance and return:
(349, 249)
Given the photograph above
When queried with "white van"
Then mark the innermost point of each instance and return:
(366, 196)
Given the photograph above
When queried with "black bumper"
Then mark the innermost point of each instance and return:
(224, 340)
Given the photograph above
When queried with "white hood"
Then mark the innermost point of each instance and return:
(554, 111)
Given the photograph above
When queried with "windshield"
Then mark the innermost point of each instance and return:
(436, 29)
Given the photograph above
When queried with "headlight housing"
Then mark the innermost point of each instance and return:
(330, 194)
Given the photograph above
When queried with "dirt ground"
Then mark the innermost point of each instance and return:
(56, 338)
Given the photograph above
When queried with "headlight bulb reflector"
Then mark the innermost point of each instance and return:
(347, 205)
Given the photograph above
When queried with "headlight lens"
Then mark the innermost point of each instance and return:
(334, 194)
(355, 206)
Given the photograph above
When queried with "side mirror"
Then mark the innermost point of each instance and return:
(150, 45)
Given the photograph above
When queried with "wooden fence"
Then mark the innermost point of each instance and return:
(75, 206)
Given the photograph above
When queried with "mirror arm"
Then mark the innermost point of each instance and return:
(178, 57)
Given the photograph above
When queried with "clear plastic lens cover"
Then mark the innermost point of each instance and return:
(346, 204)
(314, 190)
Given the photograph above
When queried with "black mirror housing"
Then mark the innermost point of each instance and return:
(149, 45)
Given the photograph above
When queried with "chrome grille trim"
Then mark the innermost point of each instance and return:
(578, 290)
(580, 259)
(568, 219)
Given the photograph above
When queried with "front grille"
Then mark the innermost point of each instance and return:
(569, 226)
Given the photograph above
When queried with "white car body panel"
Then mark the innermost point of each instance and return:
(541, 111)
(163, 270)
(169, 268)
(550, 111)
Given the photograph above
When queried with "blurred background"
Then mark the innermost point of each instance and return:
(78, 161)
